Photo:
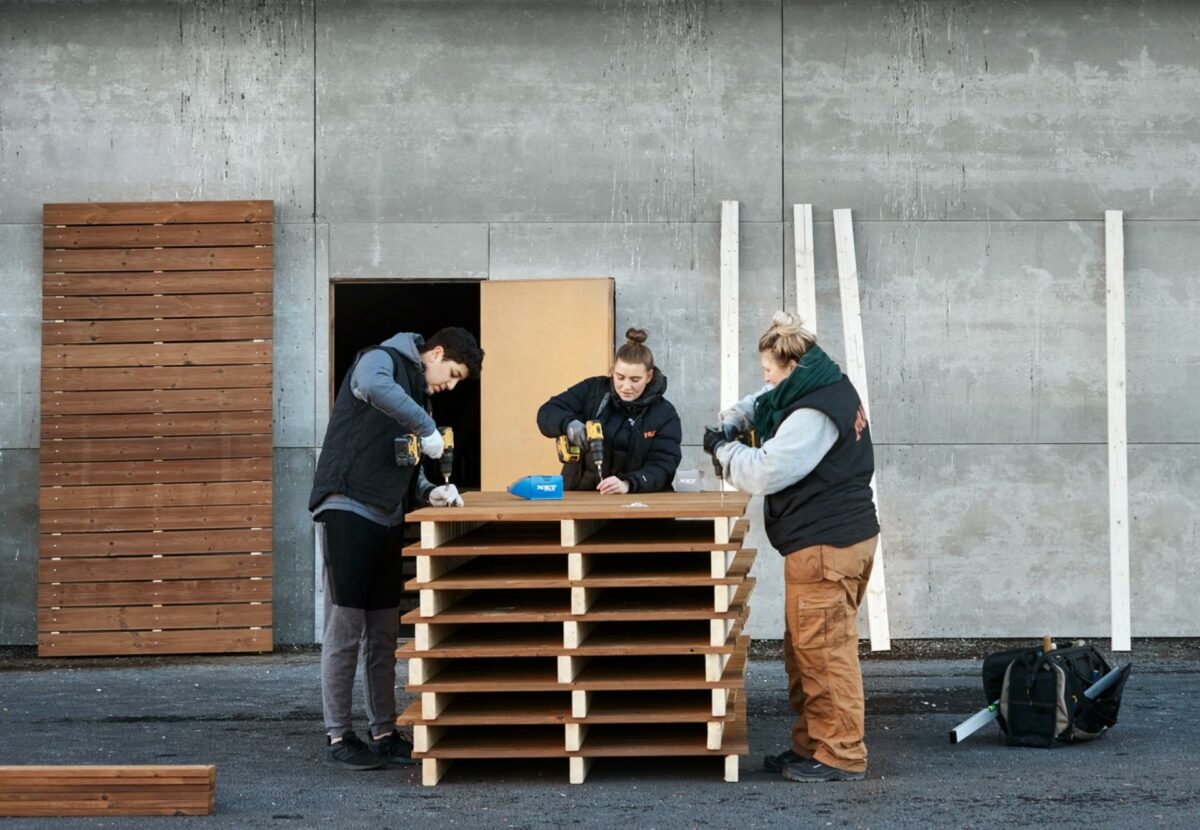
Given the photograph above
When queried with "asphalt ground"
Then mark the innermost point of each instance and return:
(258, 719)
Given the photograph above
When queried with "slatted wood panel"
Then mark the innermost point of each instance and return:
(578, 629)
(156, 473)
(62, 791)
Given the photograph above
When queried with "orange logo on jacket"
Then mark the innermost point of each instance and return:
(650, 434)
(860, 423)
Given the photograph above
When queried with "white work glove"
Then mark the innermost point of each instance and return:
(432, 444)
(445, 495)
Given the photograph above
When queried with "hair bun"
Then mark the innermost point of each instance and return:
(786, 323)
(636, 335)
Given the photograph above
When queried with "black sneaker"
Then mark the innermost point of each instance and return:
(776, 763)
(352, 753)
(813, 771)
(395, 748)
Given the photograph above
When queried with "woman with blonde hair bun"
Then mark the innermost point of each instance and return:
(813, 466)
(642, 432)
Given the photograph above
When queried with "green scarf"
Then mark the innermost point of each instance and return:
(815, 369)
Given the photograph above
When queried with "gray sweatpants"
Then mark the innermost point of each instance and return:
(347, 631)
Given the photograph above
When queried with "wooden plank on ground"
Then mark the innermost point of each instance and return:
(856, 370)
(214, 234)
(76, 791)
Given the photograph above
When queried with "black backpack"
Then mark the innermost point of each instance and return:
(1041, 696)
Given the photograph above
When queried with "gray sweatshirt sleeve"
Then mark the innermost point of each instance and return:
(793, 452)
(372, 382)
(741, 414)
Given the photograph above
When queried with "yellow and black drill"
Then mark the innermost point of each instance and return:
(408, 452)
(568, 453)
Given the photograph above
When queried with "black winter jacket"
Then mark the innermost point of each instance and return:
(641, 438)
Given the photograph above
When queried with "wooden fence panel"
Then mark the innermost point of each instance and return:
(156, 467)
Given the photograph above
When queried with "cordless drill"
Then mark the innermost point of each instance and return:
(595, 442)
(408, 451)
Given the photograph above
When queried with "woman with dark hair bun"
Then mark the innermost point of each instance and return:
(642, 432)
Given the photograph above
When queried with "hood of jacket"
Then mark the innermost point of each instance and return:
(408, 344)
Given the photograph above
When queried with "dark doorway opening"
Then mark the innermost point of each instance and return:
(367, 313)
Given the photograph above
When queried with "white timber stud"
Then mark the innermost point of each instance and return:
(718, 631)
(435, 602)
(720, 563)
(430, 568)
(806, 268)
(856, 370)
(579, 769)
(575, 736)
(570, 667)
(583, 598)
(1118, 473)
(716, 734)
(428, 635)
(422, 669)
(424, 737)
(714, 666)
(432, 770)
(578, 566)
(436, 534)
(575, 632)
(720, 702)
(731, 769)
(434, 703)
(573, 531)
(723, 597)
(581, 702)
(729, 307)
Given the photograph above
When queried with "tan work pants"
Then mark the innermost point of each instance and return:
(823, 588)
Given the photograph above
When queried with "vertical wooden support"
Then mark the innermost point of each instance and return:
(573, 531)
(806, 268)
(716, 733)
(720, 563)
(434, 703)
(575, 735)
(718, 631)
(424, 737)
(1118, 481)
(581, 702)
(729, 307)
(436, 534)
(582, 599)
(856, 370)
(579, 769)
(731, 769)
(430, 568)
(574, 633)
(714, 666)
(422, 669)
(435, 602)
(432, 770)
(570, 667)
(428, 635)
(578, 565)
(720, 702)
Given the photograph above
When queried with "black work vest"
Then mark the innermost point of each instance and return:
(832, 505)
(358, 457)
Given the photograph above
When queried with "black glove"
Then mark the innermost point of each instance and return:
(714, 439)
(576, 434)
(730, 430)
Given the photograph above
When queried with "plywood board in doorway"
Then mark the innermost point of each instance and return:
(540, 337)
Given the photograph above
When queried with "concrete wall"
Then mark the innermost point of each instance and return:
(978, 144)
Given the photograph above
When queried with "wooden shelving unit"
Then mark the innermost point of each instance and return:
(595, 626)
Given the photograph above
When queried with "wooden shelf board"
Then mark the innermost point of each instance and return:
(503, 507)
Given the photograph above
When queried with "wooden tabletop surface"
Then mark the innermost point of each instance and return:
(503, 507)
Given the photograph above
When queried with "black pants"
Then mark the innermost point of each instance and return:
(363, 561)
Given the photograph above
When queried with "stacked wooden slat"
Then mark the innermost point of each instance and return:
(156, 471)
(588, 627)
(107, 791)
